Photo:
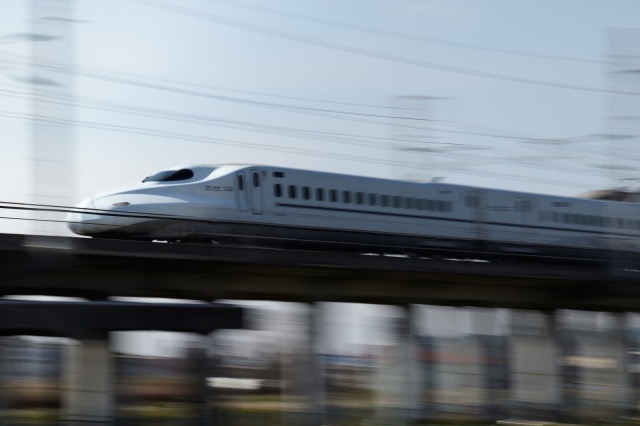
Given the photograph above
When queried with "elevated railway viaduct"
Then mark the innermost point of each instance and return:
(99, 269)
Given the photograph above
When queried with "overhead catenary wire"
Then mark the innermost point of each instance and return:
(299, 151)
(121, 78)
(396, 34)
(116, 78)
(52, 66)
(371, 53)
(331, 137)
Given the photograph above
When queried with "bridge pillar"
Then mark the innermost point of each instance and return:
(87, 388)
(593, 360)
(534, 350)
(400, 379)
(316, 386)
(491, 341)
(302, 371)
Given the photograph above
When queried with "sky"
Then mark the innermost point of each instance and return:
(496, 93)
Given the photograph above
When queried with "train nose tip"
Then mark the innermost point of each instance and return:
(78, 218)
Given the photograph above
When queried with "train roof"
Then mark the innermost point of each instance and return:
(613, 195)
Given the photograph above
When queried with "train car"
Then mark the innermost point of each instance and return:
(266, 205)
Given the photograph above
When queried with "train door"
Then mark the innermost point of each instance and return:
(474, 200)
(255, 189)
(241, 191)
(524, 208)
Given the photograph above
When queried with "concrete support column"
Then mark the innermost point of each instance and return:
(302, 372)
(486, 329)
(87, 386)
(317, 398)
(535, 385)
(401, 382)
(412, 370)
(594, 365)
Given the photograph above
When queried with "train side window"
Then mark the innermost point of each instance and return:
(429, 204)
(306, 193)
(333, 195)
(292, 191)
(409, 203)
(319, 194)
(359, 197)
(373, 199)
(256, 179)
(384, 201)
(523, 205)
(447, 206)
(419, 204)
(240, 183)
(346, 197)
(277, 190)
(397, 201)
(278, 174)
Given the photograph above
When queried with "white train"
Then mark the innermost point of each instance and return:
(265, 205)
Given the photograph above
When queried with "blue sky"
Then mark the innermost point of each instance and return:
(311, 84)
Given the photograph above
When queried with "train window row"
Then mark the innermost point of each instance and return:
(589, 220)
(361, 198)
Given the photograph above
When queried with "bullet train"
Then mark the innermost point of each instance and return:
(267, 205)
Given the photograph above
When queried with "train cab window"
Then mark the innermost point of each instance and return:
(346, 197)
(319, 194)
(240, 183)
(359, 197)
(277, 190)
(170, 176)
(333, 195)
(292, 191)
(255, 178)
(306, 193)
(373, 199)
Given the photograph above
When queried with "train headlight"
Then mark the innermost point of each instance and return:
(121, 204)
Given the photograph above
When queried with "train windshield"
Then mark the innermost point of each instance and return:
(170, 176)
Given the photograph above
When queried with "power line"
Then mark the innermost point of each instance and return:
(369, 53)
(179, 136)
(162, 87)
(396, 34)
(116, 78)
(327, 136)
(199, 119)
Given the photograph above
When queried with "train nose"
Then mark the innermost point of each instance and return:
(80, 220)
